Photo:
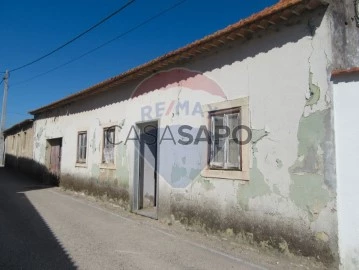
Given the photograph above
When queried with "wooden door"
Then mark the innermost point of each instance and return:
(55, 156)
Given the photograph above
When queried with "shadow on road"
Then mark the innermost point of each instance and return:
(26, 241)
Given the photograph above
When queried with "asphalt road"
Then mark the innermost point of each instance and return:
(42, 228)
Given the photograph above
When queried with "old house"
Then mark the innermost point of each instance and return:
(19, 145)
(150, 133)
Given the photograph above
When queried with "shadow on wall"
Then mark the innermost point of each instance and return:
(237, 51)
(40, 174)
(27, 242)
(31, 168)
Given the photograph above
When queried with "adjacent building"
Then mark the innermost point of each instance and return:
(19, 146)
(165, 135)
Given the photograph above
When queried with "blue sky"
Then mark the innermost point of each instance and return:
(30, 29)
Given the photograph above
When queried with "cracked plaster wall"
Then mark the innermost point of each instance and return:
(292, 172)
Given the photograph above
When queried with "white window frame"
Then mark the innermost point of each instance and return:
(81, 160)
(225, 165)
(241, 105)
(104, 145)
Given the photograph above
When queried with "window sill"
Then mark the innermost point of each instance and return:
(81, 165)
(225, 174)
(107, 166)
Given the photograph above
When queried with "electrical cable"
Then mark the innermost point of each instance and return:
(106, 43)
(76, 37)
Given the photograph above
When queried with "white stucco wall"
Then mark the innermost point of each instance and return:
(291, 185)
(346, 93)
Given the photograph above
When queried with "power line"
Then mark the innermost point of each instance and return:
(106, 43)
(75, 38)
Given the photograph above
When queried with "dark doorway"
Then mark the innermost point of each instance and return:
(54, 156)
(147, 188)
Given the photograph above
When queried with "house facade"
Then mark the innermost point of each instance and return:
(234, 132)
(19, 145)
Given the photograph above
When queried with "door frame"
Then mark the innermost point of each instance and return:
(48, 153)
(137, 158)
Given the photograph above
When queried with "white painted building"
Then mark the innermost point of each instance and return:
(346, 111)
(270, 73)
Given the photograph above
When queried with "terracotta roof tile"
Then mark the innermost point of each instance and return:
(340, 72)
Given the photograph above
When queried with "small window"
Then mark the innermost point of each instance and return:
(225, 151)
(81, 147)
(108, 146)
(24, 141)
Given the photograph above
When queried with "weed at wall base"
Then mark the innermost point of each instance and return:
(101, 190)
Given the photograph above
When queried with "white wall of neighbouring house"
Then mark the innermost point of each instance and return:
(346, 112)
(291, 188)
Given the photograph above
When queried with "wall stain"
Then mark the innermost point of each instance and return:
(93, 142)
(314, 92)
(257, 186)
(177, 174)
(308, 193)
(206, 184)
(122, 166)
(311, 136)
(194, 173)
(258, 134)
(308, 190)
(95, 171)
(279, 163)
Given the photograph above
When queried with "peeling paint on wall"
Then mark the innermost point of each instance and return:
(178, 173)
(276, 201)
(258, 134)
(311, 136)
(93, 142)
(122, 166)
(257, 186)
(95, 171)
(314, 92)
(308, 190)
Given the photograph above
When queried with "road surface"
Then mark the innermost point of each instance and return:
(44, 228)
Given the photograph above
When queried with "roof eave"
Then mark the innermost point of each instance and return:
(18, 125)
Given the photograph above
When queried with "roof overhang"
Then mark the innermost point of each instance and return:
(18, 126)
